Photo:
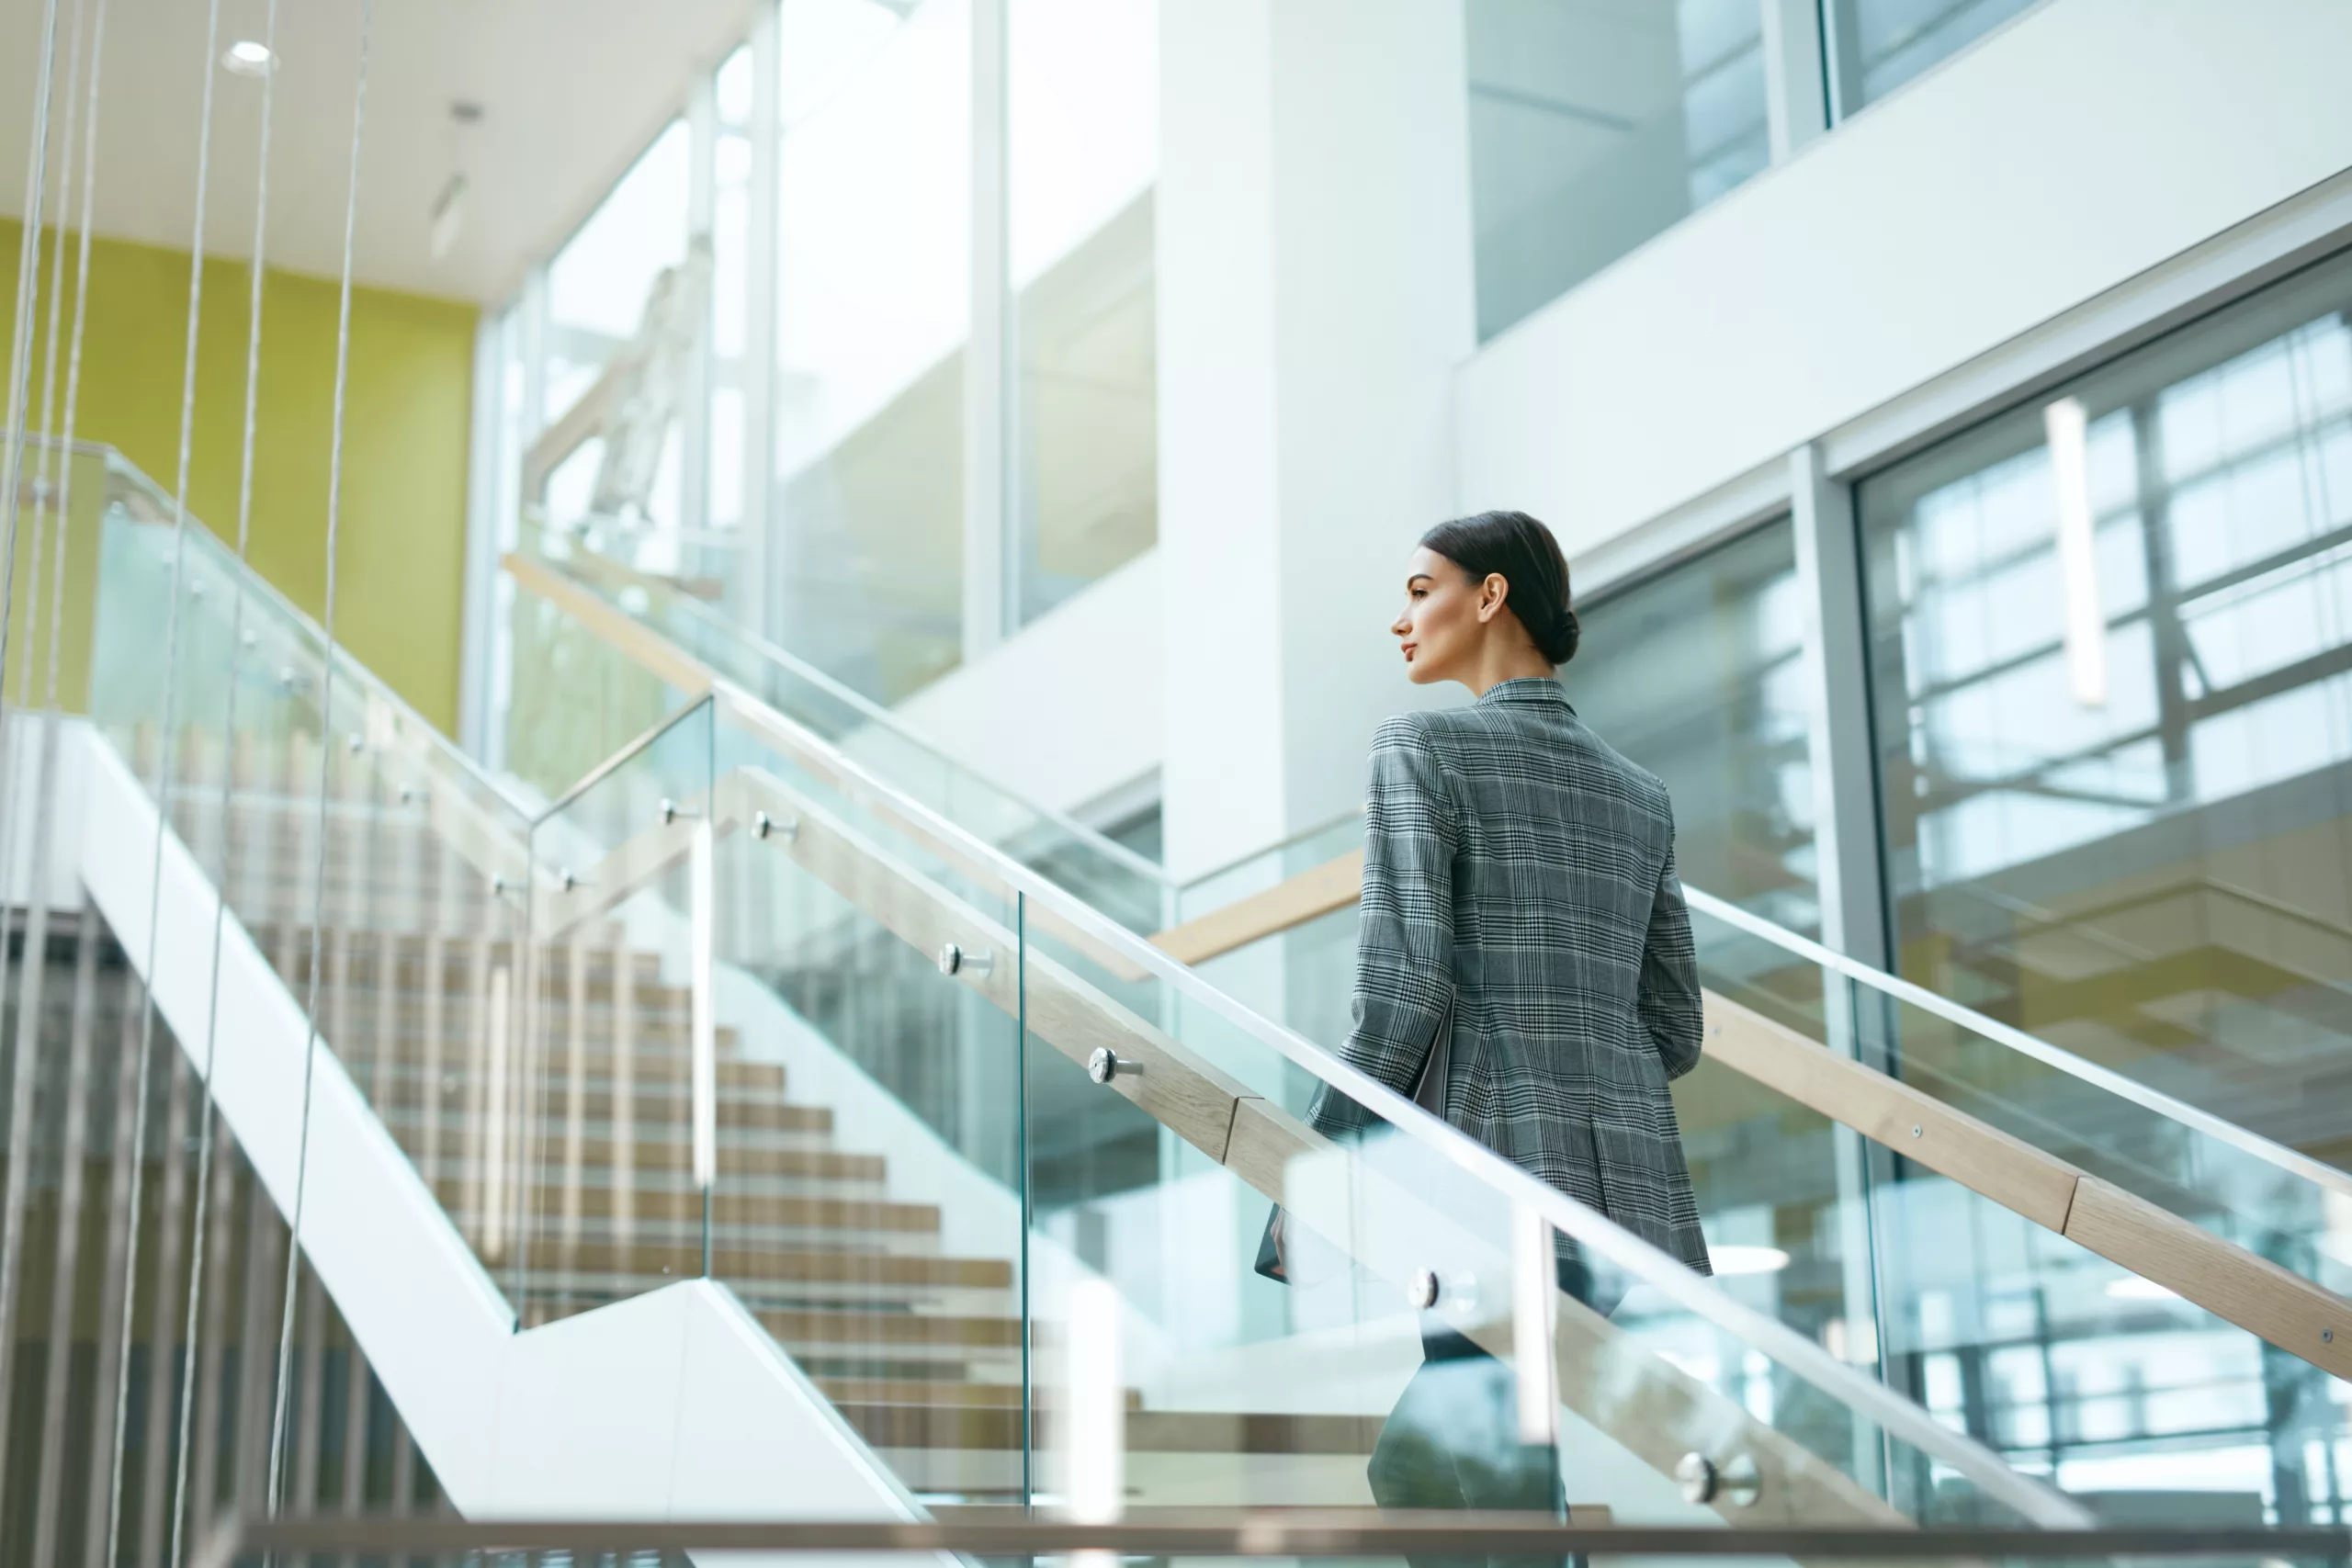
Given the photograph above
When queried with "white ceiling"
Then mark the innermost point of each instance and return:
(570, 90)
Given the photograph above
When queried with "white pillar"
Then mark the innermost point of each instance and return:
(1315, 296)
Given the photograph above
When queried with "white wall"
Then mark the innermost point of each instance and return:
(1314, 295)
(1067, 709)
(2083, 145)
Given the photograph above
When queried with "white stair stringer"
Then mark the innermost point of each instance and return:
(673, 1405)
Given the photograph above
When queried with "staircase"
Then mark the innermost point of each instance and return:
(607, 1255)
(543, 1092)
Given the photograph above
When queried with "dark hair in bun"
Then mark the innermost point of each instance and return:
(1522, 551)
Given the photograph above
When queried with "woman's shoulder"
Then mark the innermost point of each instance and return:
(1431, 733)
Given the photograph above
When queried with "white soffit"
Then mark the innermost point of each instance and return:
(570, 92)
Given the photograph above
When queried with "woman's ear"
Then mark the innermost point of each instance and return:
(1492, 595)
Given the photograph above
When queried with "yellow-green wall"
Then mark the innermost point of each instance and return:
(400, 549)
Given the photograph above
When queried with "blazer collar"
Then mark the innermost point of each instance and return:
(1535, 690)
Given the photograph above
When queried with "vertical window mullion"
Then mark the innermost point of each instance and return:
(988, 367)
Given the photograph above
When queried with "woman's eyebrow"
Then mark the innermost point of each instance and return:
(1419, 576)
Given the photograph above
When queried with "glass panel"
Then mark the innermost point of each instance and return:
(2071, 1364)
(1594, 125)
(1696, 675)
(598, 283)
(1969, 1298)
(731, 304)
(1875, 46)
(617, 1063)
(868, 1202)
(874, 1162)
(2115, 718)
(1170, 1369)
(873, 307)
(1107, 875)
(572, 699)
(735, 88)
(1255, 873)
(416, 941)
(1083, 80)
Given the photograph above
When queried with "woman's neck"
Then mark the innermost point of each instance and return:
(1503, 664)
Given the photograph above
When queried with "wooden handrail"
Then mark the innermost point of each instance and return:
(639, 643)
(1325, 890)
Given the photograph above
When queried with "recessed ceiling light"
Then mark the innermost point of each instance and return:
(1730, 1262)
(247, 58)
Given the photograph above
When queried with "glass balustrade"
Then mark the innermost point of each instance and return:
(618, 1048)
(998, 1174)
(362, 858)
(1996, 1230)
(1106, 874)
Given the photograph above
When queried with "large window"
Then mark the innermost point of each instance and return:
(1082, 131)
(1696, 675)
(874, 300)
(599, 288)
(2111, 649)
(1594, 124)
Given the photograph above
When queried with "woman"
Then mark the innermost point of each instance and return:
(1521, 907)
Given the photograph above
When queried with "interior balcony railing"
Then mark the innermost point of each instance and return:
(1243, 1538)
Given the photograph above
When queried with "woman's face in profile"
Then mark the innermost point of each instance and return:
(1442, 627)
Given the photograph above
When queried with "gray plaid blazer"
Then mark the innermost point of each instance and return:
(1519, 871)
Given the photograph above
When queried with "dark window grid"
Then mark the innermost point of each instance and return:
(2154, 516)
(2156, 492)
(2194, 710)
(1888, 48)
(1995, 1419)
(1925, 28)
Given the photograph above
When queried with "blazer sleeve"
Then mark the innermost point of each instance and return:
(1668, 999)
(1405, 930)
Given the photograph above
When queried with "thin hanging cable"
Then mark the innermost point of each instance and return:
(42, 494)
(275, 1496)
(14, 1187)
(20, 345)
(29, 1011)
(164, 750)
(205, 1119)
(90, 100)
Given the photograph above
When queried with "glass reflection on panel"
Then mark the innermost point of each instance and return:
(1875, 46)
(1694, 674)
(599, 282)
(734, 85)
(1594, 125)
(1082, 123)
(873, 307)
(2150, 868)
(730, 231)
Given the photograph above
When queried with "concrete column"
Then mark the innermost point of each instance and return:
(1315, 296)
